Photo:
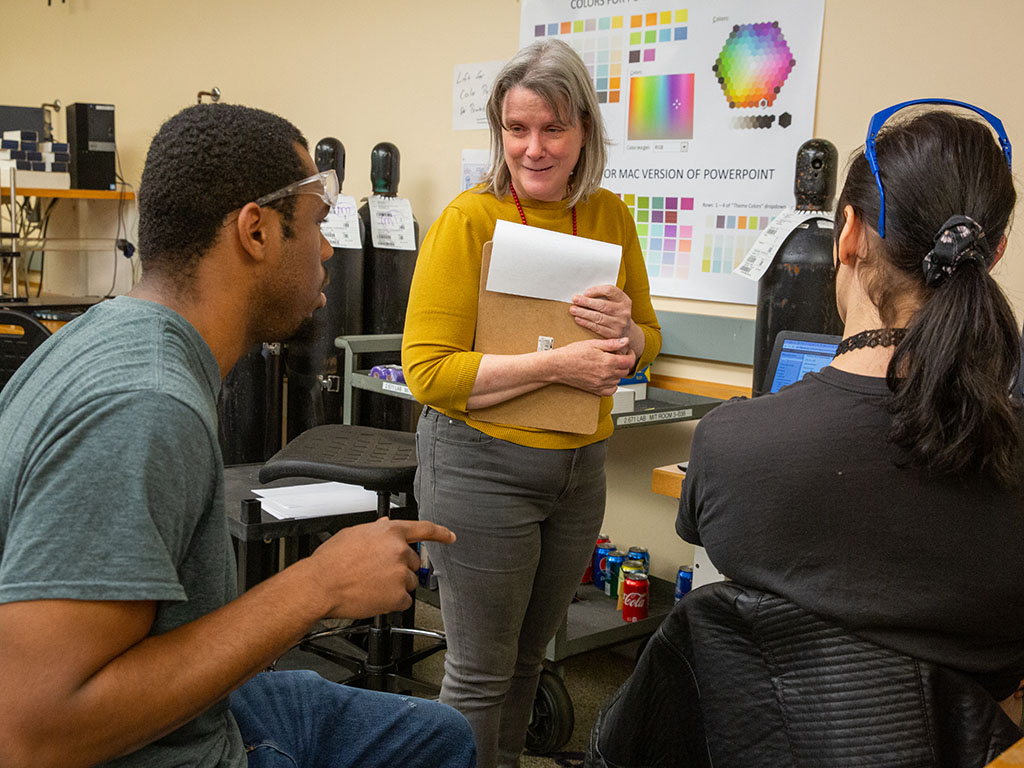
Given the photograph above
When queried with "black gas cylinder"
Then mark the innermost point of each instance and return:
(312, 362)
(249, 406)
(797, 292)
(387, 280)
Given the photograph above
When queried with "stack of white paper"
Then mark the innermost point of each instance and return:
(316, 500)
(530, 261)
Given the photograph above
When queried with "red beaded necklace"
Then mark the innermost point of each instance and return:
(522, 214)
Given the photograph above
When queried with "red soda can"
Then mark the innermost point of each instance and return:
(634, 601)
(588, 575)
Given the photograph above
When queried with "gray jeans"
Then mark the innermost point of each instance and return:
(526, 521)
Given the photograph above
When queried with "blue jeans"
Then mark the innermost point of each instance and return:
(297, 719)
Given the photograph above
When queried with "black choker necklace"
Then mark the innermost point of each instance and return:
(876, 337)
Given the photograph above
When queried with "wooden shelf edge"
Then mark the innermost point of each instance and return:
(698, 387)
(667, 480)
(75, 194)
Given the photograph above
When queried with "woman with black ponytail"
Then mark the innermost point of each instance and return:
(885, 492)
(949, 196)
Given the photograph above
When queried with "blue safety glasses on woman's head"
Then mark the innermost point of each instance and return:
(879, 119)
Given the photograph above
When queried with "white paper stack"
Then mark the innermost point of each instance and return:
(623, 400)
(316, 500)
(530, 261)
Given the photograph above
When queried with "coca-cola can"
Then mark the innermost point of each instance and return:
(634, 601)
(628, 566)
(588, 575)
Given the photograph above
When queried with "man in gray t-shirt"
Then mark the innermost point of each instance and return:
(97, 432)
(121, 636)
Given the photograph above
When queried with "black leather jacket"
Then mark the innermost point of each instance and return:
(738, 678)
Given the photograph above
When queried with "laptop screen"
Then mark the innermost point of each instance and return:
(797, 354)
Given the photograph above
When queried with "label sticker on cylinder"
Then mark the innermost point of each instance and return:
(391, 223)
(544, 343)
(341, 227)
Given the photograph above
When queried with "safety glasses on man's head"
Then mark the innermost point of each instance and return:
(324, 185)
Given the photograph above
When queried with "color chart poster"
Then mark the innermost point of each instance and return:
(706, 104)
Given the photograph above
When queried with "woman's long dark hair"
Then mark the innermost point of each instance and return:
(955, 374)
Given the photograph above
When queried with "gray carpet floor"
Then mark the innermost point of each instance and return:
(590, 678)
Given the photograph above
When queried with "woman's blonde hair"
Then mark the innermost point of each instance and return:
(555, 72)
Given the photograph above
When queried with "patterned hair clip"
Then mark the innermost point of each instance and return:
(960, 239)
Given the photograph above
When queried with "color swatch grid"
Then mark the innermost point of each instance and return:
(647, 30)
(603, 58)
(603, 53)
(727, 241)
(754, 64)
(665, 240)
(661, 107)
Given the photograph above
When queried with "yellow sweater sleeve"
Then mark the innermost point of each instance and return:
(440, 322)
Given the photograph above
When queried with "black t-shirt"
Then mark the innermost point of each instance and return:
(799, 493)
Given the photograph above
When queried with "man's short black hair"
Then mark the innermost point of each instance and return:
(204, 163)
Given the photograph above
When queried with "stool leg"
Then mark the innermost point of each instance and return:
(256, 561)
(378, 641)
(378, 654)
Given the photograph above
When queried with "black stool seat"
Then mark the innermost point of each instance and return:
(383, 461)
(377, 459)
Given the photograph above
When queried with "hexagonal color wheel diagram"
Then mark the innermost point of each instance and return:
(754, 64)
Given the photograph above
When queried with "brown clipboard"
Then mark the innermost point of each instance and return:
(507, 325)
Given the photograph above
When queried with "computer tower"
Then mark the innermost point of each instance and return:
(91, 136)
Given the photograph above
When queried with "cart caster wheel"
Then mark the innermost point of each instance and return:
(552, 720)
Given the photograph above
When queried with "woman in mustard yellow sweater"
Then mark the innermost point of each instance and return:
(525, 504)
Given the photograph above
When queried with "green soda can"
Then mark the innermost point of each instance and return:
(613, 563)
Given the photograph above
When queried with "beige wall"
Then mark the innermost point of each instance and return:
(382, 71)
(363, 72)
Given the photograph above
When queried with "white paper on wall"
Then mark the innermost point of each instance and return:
(470, 91)
(475, 163)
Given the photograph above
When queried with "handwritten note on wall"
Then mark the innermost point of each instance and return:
(470, 92)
